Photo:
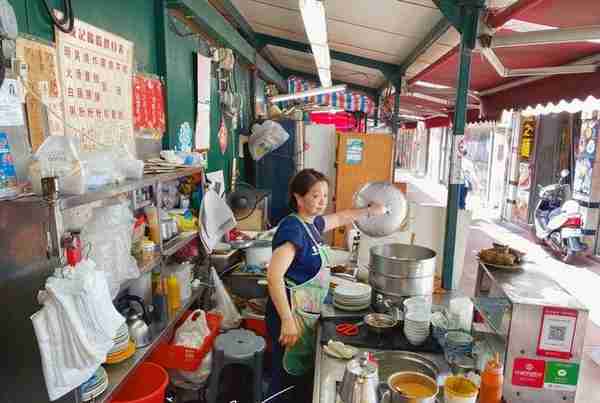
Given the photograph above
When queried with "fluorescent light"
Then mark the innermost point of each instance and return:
(525, 26)
(321, 54)
(325, 77)
(310, 93)
(430, 85)
(315, 23)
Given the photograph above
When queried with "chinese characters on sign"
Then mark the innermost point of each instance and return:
(42, 89)
(148, 104)
(96, 73)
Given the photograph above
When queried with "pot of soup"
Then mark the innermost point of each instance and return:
(409, 387)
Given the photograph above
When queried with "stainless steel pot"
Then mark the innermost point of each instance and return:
(380, 323)
(399, 271)
(395, 395)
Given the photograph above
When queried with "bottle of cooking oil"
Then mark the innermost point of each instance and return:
(174, 294)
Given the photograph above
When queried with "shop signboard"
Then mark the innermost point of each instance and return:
(528, 372)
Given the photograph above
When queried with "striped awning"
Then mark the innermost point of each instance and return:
(349, 100)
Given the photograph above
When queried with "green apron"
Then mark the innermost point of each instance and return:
(306, 301)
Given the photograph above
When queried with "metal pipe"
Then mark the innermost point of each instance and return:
(586, 60)
(469, 22)
(510, 12)
(547, 37)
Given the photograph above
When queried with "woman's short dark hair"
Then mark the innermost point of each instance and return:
(302, 182)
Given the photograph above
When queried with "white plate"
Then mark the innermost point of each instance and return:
(352, 302)
(351, 308)
(356, 290)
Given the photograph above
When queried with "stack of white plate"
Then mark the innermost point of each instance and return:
(352, 296)
(416, 327)
(94, 386)
(121, 341)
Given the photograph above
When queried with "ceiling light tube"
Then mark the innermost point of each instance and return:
(315, 23)
(321, 55)
(310, 93)
(325, 77)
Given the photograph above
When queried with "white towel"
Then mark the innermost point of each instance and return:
(75, 328)
(216, 219)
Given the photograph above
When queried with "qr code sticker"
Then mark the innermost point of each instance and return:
(557, 333)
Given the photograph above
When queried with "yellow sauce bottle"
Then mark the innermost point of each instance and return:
(174, 295)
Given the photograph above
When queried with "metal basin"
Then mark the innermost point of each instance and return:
(391, 362)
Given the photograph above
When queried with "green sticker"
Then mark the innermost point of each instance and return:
(354, 151)
(561, 376)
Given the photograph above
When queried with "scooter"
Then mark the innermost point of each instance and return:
(557, 219)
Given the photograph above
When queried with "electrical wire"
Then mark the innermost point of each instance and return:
(67, 21)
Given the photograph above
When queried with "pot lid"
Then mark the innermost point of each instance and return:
(391, 197)
(362, 367)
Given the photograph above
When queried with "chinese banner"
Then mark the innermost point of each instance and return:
(96, 74)
(148, 104)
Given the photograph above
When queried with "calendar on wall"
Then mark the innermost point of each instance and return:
(95, 68)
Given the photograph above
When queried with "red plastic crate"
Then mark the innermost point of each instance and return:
(188, 359)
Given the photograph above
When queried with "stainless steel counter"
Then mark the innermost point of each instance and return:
(329, 371)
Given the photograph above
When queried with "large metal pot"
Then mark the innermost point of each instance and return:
(398, 271)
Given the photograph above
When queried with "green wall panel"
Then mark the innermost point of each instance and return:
(134, 20)
(158, 50)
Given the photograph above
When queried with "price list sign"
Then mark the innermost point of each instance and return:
(148, 104)
(96, 73)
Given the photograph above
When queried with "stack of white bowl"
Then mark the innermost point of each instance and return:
(352, 297)
(417, 317)
(416, 327)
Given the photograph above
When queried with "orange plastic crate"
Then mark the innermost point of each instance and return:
(184, 358)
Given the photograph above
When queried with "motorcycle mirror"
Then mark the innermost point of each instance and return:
(564, 173)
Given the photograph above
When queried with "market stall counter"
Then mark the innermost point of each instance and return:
(329, 371)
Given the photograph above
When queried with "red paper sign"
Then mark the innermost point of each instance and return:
(148, 104)
(528, 372)
(557, 332)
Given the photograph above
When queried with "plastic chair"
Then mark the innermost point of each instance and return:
(238, 346)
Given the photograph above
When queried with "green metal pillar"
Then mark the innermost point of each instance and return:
(395, 118)
(469, 18)
(376, 114)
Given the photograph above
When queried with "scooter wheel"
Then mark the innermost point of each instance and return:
(568, 258)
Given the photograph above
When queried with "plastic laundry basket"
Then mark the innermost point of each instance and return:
(147, 385)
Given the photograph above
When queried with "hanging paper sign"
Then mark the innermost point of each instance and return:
(223, 137)
(96, 75)
(148, 105)
(528, 372)
(557, 332)
(456, 171)
(354, 151)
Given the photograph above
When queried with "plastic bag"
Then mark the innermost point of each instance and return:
(58, 156)
(109, 233)
(191, 334)
(224, 304)
(266, 138)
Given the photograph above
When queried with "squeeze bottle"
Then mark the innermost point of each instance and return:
(492, 380)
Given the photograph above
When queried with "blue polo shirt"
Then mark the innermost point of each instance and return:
(307, 262)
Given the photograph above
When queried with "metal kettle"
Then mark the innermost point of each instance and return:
(137, 323)
(360, 381)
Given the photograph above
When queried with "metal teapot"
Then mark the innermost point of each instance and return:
(360, 381)
(138, 323)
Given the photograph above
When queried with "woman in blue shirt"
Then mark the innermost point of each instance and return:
(298, 281)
